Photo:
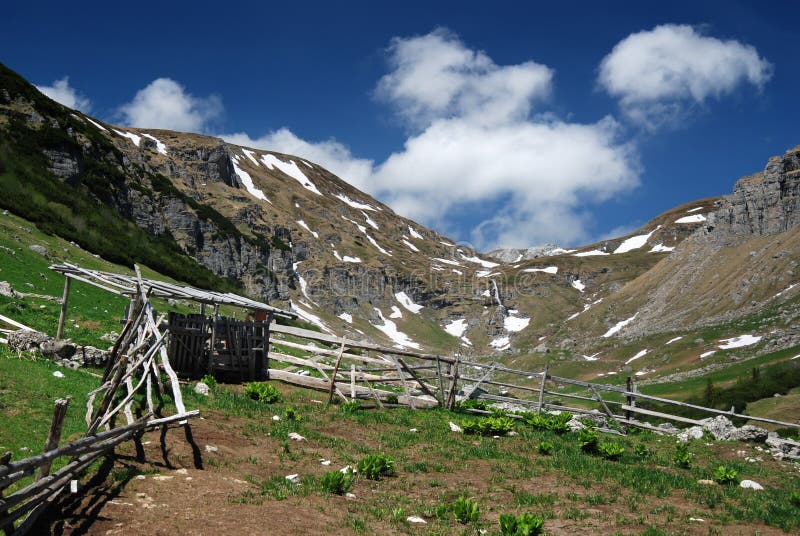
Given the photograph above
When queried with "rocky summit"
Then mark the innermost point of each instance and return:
(283, 229)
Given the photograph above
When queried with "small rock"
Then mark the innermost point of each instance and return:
(348, 468)
(58, 374)
(697, 520)
(296, 436)
(455, 428)
(181, 471)
(749, 484)
(416, 519)
(325, 462)
(350, 495)
(7, 291)
(413, 430)
(211, 448)
(293, 478)
(41, 250)
(202, 389)
(140, 477)
(163, 478)
(275, 418)
(706, 482)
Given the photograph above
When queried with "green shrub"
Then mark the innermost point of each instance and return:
(263, 392)
(726, 475)
(545, 447)
(209, 380)
(682, 458)
(641, 450)
(794, 498)
(549, 421)
(466, 510)
(522, 525)
(337, 482)
(473, 403)
(291, 414)
(587, 440)
(376, 466)
(611, 450)
(489, 426)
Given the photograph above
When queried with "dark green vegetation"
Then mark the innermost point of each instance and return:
(85, 208)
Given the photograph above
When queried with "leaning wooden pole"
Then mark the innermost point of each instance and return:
(541, 389)
(59, 412)
(63, 315)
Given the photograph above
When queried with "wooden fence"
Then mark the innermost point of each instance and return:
(135, 366)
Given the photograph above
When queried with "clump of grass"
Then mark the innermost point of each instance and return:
(521, 525)
(726, 475)
(466, 510)
(349, 408)
(291, 414)
(489, 426)
(611, 450)
(548, 421)
(263, 392)
(545, 447)
(682, 457)
(641, 450)
(337, 482)
(376, 466)
(794, 498)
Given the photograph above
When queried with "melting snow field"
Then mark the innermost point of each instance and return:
(396, 313)
(370, 221)
(249, 154)
(355, 204)
(548, 270)
(590, 253)
(131, 136)
(621, 324)
(98, 125)
(447, 261)
(695, 209)
(578, 285)
(161, 147)
(661, 248)
(406, 302)
(637, 356)
(476, 260)
(410, 246)
(738, 342)
(592, 357)
(456, 328)
(696, 218)
(635, 242)
(290, 169)
(514, 324)
(784, 291)
(302, 224)
(706, 354)
(309, 317)
(414, 233)
(501, 343)
(347, 317)
(247, 180)
(674, 340)
(389, 328)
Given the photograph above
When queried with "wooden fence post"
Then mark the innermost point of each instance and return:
(63, 314)
(629, 398)
(541, 389)
(59, 412)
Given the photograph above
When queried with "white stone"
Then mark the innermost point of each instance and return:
(416, 519)
(455, 428)
(749, 484)
(296, 436)
(276, 418)
(58, 374)
(202, 389)
(295, 478)
(211, 448)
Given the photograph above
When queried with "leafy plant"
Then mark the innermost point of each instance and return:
(611, 450)
(291, 414)
(682, 457)
(263, 392)
(545, 447)
(489, 426)
(794, 498)
(473, 403)
(349, 407)
(466, 510)
(522, 525)
(548, 421)
(337, 482)
(641, 450)
(726, 475)
(587, 440)
(376, 466)
(209, 380)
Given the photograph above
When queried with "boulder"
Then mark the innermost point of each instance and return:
(748, 432)
(720, 427)
(202, 389)
(41, 250)
(7, 291)
(57, 349)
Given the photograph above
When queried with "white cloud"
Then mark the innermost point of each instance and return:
(63, 93)
(165, 104)
(655, 74)
(475, 139)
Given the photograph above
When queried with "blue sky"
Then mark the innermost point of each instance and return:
(511, 123)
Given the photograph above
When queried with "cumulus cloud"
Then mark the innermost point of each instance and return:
(164, 103)
(477, 139)
(65, 94)
(657, 73)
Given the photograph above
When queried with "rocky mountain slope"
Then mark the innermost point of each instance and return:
(284, 229)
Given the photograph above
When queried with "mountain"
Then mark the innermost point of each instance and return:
(284, 229)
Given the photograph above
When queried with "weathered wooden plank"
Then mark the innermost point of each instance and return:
(15, 323)
(54, 436)
(660, 415)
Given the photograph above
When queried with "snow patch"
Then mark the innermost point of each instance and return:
(501, 343)
(635, 242)
(706, 354)
(578, 285)
(355, 204)
(247, 180)
(476, 260)
(674, 340)
(592, 357)
(456, 328)
(370, 221)
(98, 125)
(309, 317)
(389, 328)
(396, 313)
(447, 261)
(410, 246)
(590, 253)
(161, 147)
(548, 270)
(414, 233)
(347, 317)
(407, 302)
(784, 291)
(485, 273)
(637, 356)
(290, 169)
(695, 209)
(249, 154)
(302, 224)
(696, 218)
(515, 323)
(738, 342)
(660, 248)
(621, 324)
(348, 258)
(130, 135)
